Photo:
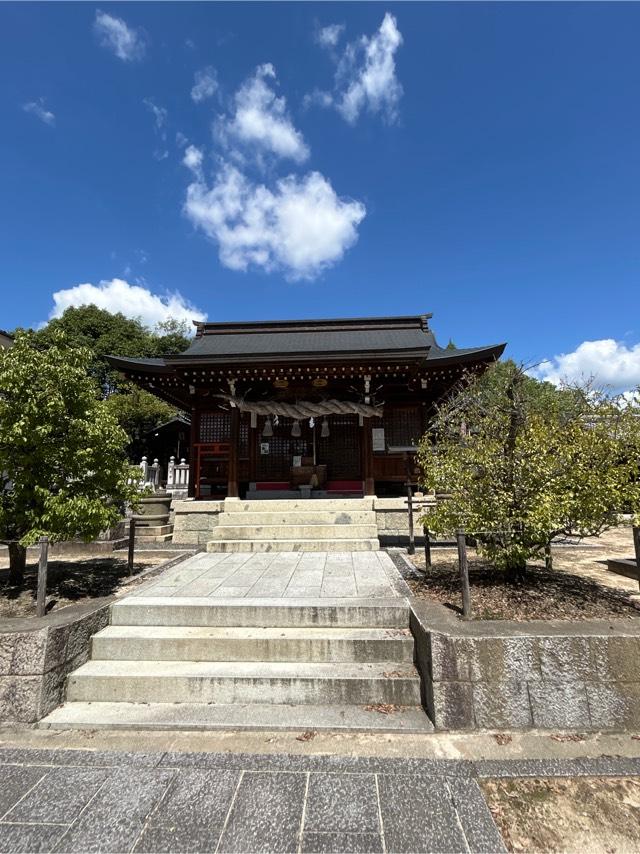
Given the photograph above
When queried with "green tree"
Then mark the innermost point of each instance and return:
(64, 470)
(106, 334)
(523, 462)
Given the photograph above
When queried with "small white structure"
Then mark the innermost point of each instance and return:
(178, 478)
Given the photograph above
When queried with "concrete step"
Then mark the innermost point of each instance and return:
(252, 716)
(235, 505)
(197, 643)
(312, 531)
(311, 545)
(300, 517)
(296, 613)
(153, 538)
(153, 530)
(245, 682)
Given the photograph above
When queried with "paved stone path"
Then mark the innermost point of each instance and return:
(74, 800)
(280, 574)
(107, 801)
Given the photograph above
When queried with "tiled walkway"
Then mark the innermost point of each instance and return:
(300, 575)
(171, 802)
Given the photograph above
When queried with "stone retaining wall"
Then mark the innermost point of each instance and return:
(37, 654)
(392, 519)
(194, 521)
(544, 674)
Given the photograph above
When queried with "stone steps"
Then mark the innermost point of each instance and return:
(234, 682)
(251, 716)
(204, 663)
(328, 545)
(235, 505)
(300, 517)
(279, 613)
(312, 525)
(235, 643)
(272, 533)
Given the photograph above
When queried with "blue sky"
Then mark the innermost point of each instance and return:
(253, 161)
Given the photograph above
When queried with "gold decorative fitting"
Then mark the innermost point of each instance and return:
(281, 383)
(319, 382)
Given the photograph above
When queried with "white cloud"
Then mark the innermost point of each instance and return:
(608, 362)
(38, 109)
(366, 74)
(118, 295)
(127, 43)
(299, 228)
(160, 116)
(206, 84)
(261, 118)
(193, 159)
(330, 35)
(319, 98)
(159, 113)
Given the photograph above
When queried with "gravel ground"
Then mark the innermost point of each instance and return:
(70, 581)
(594, 814)
(579, 587)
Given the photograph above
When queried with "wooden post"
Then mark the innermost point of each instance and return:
(234, 441)
(41, 600)
(464, 573)
(412, 540)
(193, 468)
(636, 546)
(253, 448)
(427, 549)
(367, 458)
(132, 542)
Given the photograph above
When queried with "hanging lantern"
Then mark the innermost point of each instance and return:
(324, 432)
(312, 422)
(267, 430)
(295, 430)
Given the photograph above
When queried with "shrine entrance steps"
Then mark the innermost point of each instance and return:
(255, 641)
(307, 525)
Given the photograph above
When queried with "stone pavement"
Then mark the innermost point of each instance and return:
(74, 800)
(280, 574)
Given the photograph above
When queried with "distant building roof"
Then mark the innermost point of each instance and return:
(6, 340)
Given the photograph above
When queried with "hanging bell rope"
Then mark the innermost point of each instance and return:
(303, 408)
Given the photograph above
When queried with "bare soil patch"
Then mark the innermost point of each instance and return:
(592, 814)
(70, 581)
(543, 595)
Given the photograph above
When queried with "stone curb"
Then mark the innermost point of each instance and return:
(455, 769)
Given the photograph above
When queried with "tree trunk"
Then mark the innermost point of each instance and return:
(516, 570)
(17, 563)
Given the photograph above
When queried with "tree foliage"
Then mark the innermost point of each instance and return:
(104, 334)
(523, 462)
(64, 470)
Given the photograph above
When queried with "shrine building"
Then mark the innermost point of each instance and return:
(328, 407)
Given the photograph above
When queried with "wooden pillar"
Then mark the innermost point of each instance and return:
(367, 458)
(234, 452)
(195, 430)
(253, 449)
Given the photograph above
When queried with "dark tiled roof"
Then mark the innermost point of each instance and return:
(321, 341)
(386, 337)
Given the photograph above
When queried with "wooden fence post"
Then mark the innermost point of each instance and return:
(132, 542)
(412, 541)
(427, 549)
(464, 573)
(636, 546)
(41, 600)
